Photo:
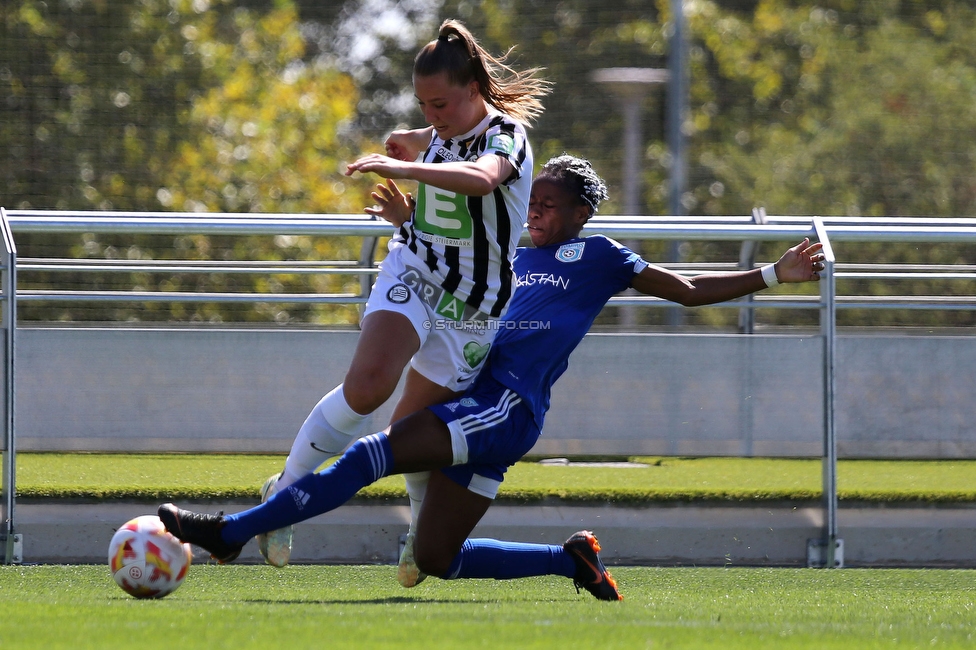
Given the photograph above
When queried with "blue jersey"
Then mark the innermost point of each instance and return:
(560, 289)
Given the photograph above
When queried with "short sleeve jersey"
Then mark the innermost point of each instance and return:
(560, 290)
(466, 243)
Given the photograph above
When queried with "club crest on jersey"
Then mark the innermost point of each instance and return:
(398, 294)
(468, 401)
(570, 252)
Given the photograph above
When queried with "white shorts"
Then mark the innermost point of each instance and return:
(454, 339)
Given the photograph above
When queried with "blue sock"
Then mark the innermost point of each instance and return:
(490, 558)
(366, 461)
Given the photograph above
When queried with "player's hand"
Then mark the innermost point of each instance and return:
(378, 164)
(391, 203)
(406, 144)
(802, 263)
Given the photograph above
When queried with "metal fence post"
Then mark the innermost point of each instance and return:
(12, 542)
(747, 260)
(367, 257)
(828, 551)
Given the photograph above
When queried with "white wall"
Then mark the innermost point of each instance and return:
(240, 390)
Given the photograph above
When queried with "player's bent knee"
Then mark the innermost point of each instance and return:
(433, 562)
(368, 389)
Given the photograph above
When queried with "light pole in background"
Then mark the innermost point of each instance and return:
(630, 86)
(678, 92)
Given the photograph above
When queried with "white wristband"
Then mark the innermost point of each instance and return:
(769, 275)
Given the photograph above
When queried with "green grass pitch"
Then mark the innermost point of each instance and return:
(159, 477)
(51, 607)
(241, 607)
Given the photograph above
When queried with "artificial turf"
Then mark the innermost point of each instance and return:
(257, 606)
(240, 607)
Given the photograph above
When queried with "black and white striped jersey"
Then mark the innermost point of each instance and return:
(465, 244)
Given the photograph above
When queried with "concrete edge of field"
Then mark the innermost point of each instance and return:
(769, 534)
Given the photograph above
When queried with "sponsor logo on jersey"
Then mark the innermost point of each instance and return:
(475, 353)
(550, 279)
(570, 252)
(442, 302)
(446, 154)
(398, 294)
(443, 241)
(450, 307)
(502, 142)
(442, 217)
(427, 291)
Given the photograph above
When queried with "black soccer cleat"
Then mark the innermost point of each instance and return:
(591, 575)
(200, 529)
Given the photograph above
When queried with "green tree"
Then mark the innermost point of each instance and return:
(868, 118)
(832, 107)
(271, 137)
(188, 106)
(841, 109)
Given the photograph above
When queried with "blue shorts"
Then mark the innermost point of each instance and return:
(491, 429)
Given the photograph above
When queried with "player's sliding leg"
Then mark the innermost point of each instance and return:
(326, 432)
(386, 342)
(201, 529)
(366, 461)
(578, 558)
(449, 514)
(420, 442)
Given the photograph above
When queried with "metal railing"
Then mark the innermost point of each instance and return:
(827, 551)
(9, 538)
(743, 229)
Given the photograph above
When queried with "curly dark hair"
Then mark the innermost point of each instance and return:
(579, 176)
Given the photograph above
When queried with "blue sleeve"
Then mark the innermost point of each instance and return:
(622, 264)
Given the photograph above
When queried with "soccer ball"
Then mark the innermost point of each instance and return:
(146, 560)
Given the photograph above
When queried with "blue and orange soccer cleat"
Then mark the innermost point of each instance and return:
(590, 572)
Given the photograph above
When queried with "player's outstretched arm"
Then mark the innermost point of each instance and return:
(477, 178)
(801, 263)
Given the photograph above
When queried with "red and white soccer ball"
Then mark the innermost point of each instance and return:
(146, 560)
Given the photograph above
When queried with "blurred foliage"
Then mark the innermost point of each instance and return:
(193, 106)
(829, 107)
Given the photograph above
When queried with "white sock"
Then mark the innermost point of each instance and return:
(328, 430)
(416, 489)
